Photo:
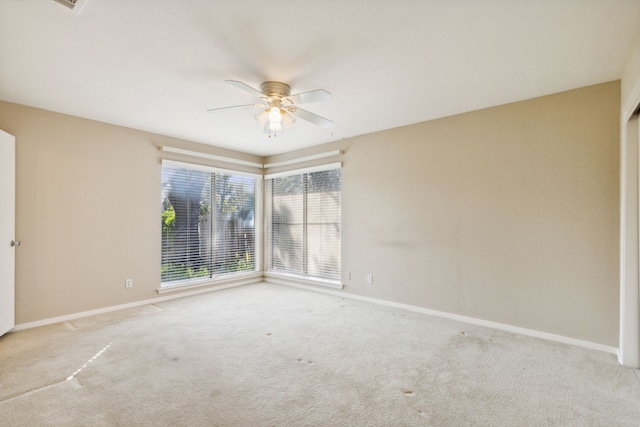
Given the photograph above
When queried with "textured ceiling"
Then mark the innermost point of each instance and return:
(158, 65)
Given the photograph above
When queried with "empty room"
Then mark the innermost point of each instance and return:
(296, 213)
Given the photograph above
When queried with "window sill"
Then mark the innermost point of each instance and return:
(283, 278)
(224, 282)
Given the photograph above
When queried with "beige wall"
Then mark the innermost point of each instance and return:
(508, 214)
(87, 211)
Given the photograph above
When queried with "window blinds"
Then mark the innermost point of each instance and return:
(304, 223)
(208, 226)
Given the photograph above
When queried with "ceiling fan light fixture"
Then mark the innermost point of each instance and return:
(262, 117)
(275, 115)
(274, 127)
(287, 119)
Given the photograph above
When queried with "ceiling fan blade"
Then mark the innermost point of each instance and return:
(313, 118)
(319, 95)
(245, 87)
(235, 107)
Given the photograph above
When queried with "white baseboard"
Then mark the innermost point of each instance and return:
(79, 315)
(460, 318)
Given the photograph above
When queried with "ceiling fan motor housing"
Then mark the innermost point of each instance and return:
(275, 89)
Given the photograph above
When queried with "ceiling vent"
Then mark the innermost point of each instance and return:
(69, 3)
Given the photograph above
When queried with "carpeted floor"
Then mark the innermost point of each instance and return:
(268, 355)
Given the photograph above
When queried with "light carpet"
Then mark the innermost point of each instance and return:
(269, 355)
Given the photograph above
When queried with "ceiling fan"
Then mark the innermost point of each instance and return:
(279, 107)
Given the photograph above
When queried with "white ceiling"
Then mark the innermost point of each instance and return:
(158, 65)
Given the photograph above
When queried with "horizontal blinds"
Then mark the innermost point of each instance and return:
(233, 224)
(324, 224)
(304, 224)
(207, 224)
(287, 224)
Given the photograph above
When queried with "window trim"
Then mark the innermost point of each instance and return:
(219, 283)
(204, 168)
(288, 277)
(249, 276)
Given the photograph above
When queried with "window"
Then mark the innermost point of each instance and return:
(304, 223)
(208, 227)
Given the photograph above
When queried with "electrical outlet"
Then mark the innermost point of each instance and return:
(349, 276)
(128, 283)
(369, 278)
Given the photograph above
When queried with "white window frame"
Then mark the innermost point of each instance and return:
(284, 277)
(247, 277)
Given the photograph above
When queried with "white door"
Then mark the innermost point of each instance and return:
(7, 230)
(629, 351)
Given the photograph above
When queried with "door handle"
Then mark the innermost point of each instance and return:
(15, 243)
